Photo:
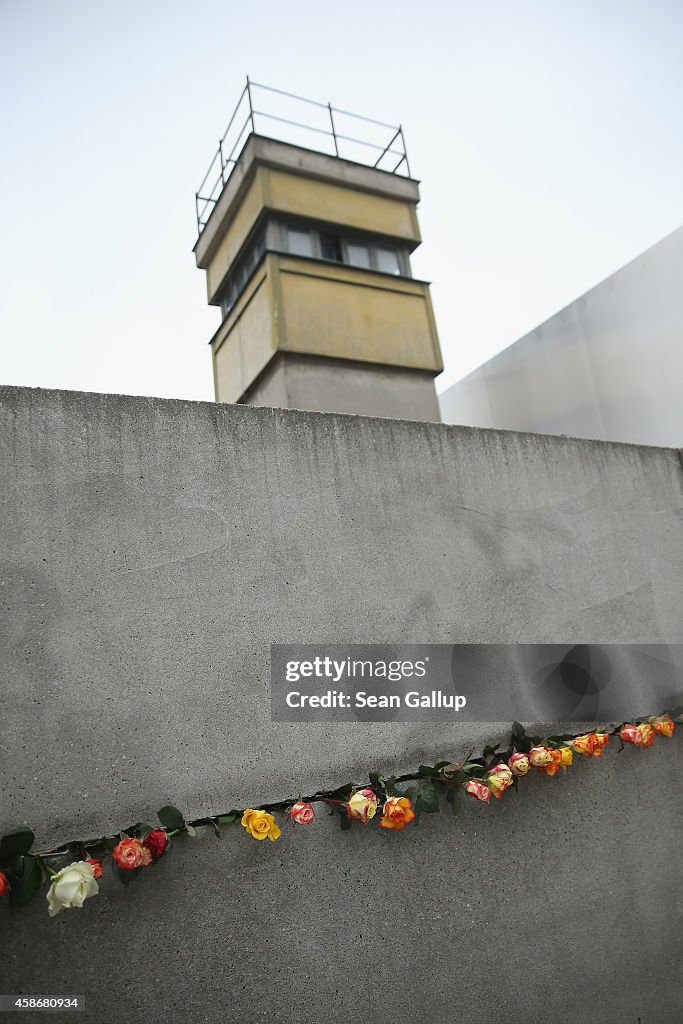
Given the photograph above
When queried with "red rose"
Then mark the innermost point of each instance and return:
(128, 854)
(96, 866)
(4, 884)
(156, 842)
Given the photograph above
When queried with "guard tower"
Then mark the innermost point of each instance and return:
(307, 254)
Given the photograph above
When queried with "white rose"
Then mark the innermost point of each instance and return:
(71, 886)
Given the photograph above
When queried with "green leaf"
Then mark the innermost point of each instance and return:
(488, 750)
(171, 818)
(215, 828)
(15, 844)
(191, 831)
(375, 780)
(414, 798)
(141, 830)
(126, 875)
(227, 819)
(343, 793)
(429, 797)
(28, 884)
(453, 798)
(344, 820)
(390, 787)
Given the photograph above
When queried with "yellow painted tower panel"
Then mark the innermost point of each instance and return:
(246, 341)
(321, 200)
(235, 234)
(346, 320)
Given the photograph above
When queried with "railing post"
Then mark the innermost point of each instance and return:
(251, 106)
(405, 151)
(334, 133)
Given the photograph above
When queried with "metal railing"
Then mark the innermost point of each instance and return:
(340, 144)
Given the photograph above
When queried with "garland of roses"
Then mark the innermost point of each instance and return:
(22, 873)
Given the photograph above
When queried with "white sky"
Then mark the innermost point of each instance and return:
(547, 136)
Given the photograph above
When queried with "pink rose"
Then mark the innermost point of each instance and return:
(631, 734)
(478, 789)
(302, 812)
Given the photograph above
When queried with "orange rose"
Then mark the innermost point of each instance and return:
(553, 766)
(663, 725)
(96, 863)
(397, 813)
(128, 854)
(601, 741)
(585, 744)
(647, 735)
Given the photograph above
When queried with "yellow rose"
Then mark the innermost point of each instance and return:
(499, 779)
(260, 824)
(362, 805)
(663, 724)
(540, 756)
(566, 756)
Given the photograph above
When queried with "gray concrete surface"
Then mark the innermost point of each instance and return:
(151, 552)
(338, 385)
(607, 366)
(559, 903)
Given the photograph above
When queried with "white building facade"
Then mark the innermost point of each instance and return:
(609, 366)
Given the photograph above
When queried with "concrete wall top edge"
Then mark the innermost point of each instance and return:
(11, 393)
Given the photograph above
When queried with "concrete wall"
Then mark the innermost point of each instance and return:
(338, 385)
(151, 552)
(608, 366)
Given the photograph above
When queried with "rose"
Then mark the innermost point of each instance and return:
(540, 756)
(553, 766)
(647, 735)
(71, 886)
(584, 744)
(362, 805)
(129, 854)
(397, 812)
(156, 842)
(518, 764)
(96, 863)
(498, 779)
(4, 884)
(302, 812)
(478, 789)
(601, 741)
(260, 824)
(631, 734)
(566, 757)
(663, 725)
